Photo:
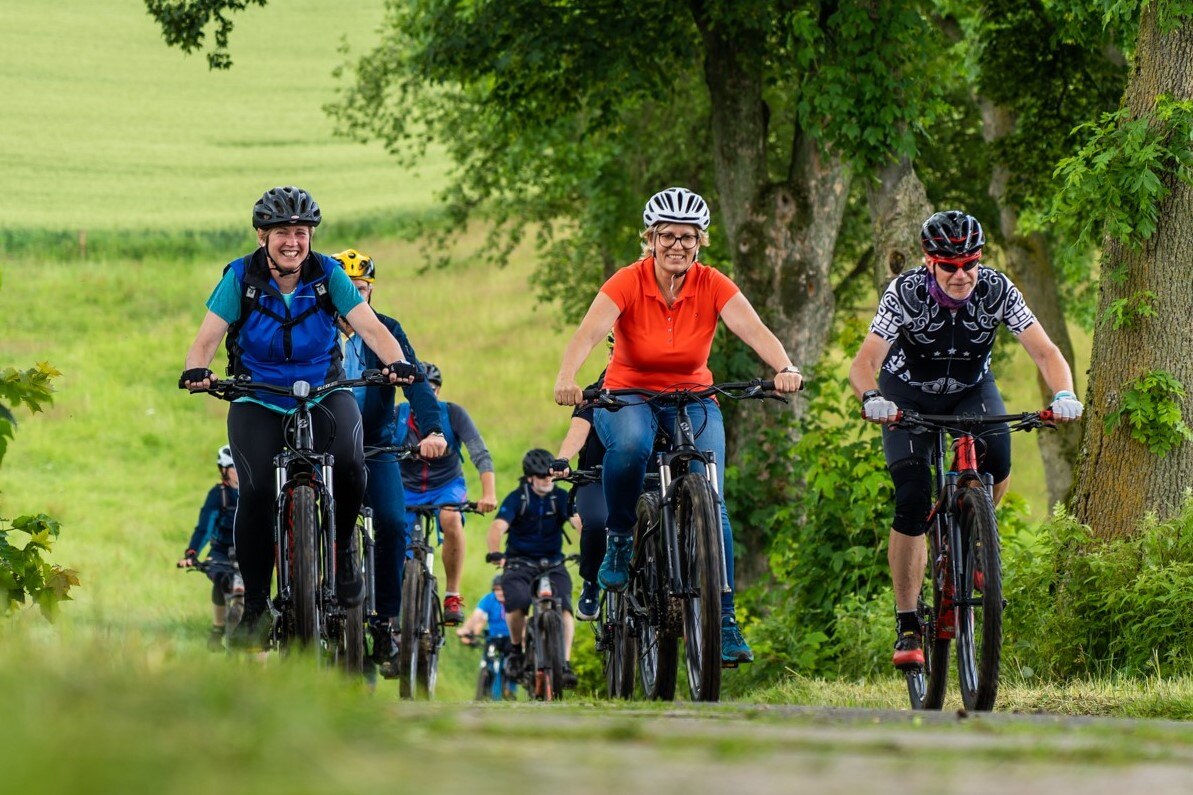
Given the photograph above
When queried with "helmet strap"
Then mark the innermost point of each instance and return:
(276, 268)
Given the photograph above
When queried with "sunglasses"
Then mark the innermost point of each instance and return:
(953, 267)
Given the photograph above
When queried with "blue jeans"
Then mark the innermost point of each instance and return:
(628, 435)
(384, 494)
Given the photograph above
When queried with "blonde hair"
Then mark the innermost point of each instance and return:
(649, 232)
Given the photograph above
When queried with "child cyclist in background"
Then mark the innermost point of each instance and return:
(532, 517)
(215, 528)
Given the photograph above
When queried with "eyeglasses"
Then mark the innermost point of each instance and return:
(667, 240)
(953, 267)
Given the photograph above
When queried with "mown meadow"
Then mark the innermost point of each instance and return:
(157, 162)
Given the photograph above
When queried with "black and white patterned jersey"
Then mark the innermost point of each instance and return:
(942, 351)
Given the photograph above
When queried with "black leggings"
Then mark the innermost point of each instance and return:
(255, 435)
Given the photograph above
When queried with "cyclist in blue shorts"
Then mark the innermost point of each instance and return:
(215, 528)
(383, 492)
(442, 481)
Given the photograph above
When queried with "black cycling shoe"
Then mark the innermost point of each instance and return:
(385, 649)
(569, 676)
(513, 665)
(350, 583)
(252, 633)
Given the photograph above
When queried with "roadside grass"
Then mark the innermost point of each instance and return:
(130, 134)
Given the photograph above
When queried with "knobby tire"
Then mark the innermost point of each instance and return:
(619, 657)
(979, 628)
(430, 633)
(304, 563)
(412, 589)
(699, 529)
(657, 645)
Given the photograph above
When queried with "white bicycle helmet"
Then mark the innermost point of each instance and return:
(223, 458)
(676, 206)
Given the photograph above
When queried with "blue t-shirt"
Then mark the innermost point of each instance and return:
(495, 611)
(535, 523)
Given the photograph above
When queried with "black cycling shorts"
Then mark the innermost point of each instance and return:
(520, 578)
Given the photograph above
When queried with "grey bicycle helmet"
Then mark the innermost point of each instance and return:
(434, 376)
(284, 206)
(676, 206)
(223, 458)
(537, 462)
(951, 233)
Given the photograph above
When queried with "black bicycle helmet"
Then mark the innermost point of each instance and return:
(496, 581)
(951, 233)
(434, 376)
(537, 462)
(284, 206)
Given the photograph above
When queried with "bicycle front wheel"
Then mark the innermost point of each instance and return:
(979, 610)
(408, 635)
(548, 656)
(304, 563)
(699, 531)
(430, 639)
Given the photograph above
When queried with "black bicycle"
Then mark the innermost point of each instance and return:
(964, 554)
(306, 612)
(678, 570)
(545, 655)
(230, 585)
(421, 635)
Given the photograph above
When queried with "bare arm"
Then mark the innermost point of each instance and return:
(1048, 358)
(488, 500)
(595, 326)
(207, 340)
(742, 320)
(576, 436)
(496, 530)
(863, 373)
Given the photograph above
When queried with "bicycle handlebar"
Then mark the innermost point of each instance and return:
(430, 508)
(582, 477)
(1024, 421)
(242, 386)
(400, 452)
(758, 389)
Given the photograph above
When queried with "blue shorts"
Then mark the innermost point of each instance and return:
(454, 491)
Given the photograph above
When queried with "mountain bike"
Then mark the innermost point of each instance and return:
(545, 651)
(491, 682)
(678, 570)
(305, 610)
(230, 585)
(964, 555)
(613, 630)
(421, 635)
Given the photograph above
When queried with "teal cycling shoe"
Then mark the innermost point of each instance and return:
(734, 648)
(615, 568)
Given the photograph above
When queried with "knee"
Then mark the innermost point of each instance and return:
(913, 496)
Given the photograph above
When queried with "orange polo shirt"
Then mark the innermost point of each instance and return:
(659, 347)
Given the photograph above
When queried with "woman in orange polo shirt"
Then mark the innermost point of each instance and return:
(663, 310)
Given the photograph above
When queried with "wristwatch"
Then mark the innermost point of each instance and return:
(791, 368)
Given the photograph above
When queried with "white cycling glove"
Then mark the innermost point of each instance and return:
(1065, 406)
(876, 408)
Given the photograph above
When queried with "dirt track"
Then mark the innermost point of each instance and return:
(736, 749)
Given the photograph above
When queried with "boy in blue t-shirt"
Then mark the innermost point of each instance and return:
(532, 518)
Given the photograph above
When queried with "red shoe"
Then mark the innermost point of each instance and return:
(908, 653)
(453, 610)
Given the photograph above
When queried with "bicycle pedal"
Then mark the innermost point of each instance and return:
(729, 664)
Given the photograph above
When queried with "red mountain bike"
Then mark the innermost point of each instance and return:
(966, 565)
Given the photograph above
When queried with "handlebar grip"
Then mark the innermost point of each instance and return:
(592, 394)
(1047, 416)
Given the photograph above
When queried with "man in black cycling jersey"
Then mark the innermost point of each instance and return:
(930, 345)
(383, 492)
(215, 528)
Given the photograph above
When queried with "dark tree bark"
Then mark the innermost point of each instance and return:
(1118, 479)
(898, 207)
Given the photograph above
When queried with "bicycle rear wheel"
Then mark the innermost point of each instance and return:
(619, 657)
(304, 563)
(699, 531)
(657, 642)
(548, 656)
(350, 643)
(408, 634)
(979, 619)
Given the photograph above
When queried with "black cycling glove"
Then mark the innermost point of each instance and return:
(193, 375)
(404, 370)
(494, 557)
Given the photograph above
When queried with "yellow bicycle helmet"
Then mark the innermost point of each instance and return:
(357, 265)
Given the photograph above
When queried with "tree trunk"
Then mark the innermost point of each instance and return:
(781, 233)
(1030, 266)
(898, 207)
(1118, 479)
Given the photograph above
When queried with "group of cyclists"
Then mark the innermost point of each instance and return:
(289, 313)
